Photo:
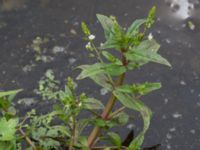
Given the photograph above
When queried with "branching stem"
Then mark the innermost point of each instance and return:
(27, 139)
(117, 112)
(108, 108)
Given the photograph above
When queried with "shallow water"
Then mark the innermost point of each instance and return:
(176, 106)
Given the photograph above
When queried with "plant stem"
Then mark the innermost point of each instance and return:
(27, 139)
(117, 112)
(73, 133)
(95, 132)
(100, 59)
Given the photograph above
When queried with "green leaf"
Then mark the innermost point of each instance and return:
(97, 74)
(117, 40)
(61, 129)
(11, 145)
(114, 69)
(141, 89)
(145, 52)
(132, 103)
(106, 23)
(4, 103)
(133, 29)
(83, 143)
(122, 118)
(47, 143)
(92, 103)
(111, 58)
(115, 139)
(7, 93)
(7, 129)
(82, 124)
(100, 122)
(90, 70)
(98, 68)
(102, 80)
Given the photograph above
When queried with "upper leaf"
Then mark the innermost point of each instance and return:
(106, 23)
(133, 29)
(146, 52)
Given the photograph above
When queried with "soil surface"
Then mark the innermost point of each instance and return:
(175, 124)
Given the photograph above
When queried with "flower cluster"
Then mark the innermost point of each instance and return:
(88, 46)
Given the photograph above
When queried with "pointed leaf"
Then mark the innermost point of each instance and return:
(132, 103)
(114, 69)
(97, 74)
(92, 103)
(141, 89)
(7, 93)
(106, 23)
(133, 29)
(111, 58)
(90, 70)
(145, 52)
(115, 139)
(102, 80)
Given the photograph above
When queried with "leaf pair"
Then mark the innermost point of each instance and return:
(139, 89)
(100, 68)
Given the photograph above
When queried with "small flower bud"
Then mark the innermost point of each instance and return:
(150, 36)
(88, 46)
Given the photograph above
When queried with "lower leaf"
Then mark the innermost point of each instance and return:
(132, 103)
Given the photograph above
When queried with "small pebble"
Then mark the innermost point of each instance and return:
(172, 129)
(58, 49)
(182, 82)
(72, 60)
(72, 31)
(192, 131)
(177, 115)
(103, 91)
(169, 136)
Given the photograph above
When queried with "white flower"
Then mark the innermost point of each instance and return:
(150, 36)
(91, 37)
(88, 45)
